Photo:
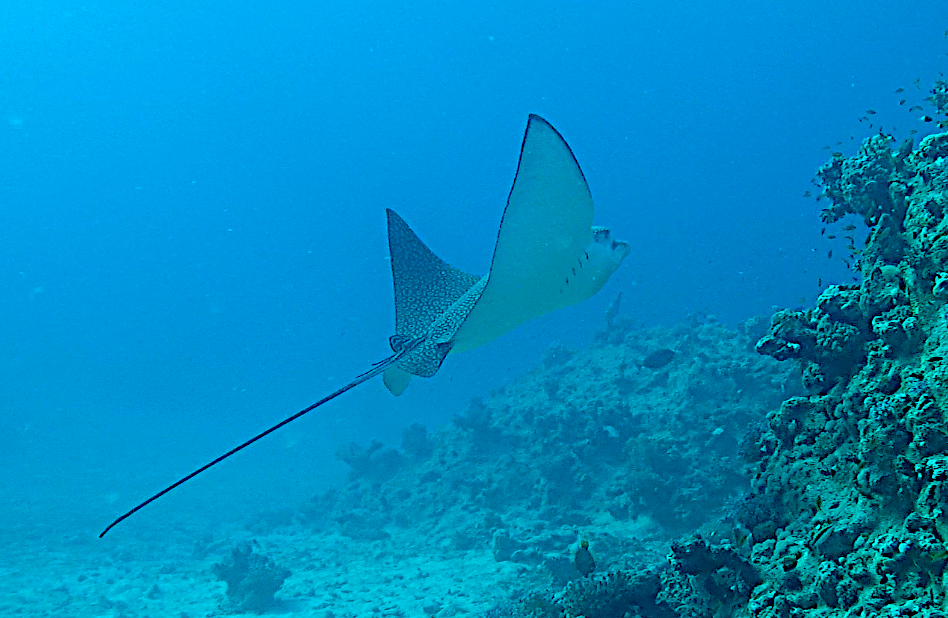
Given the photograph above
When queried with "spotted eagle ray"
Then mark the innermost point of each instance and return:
(548, 256)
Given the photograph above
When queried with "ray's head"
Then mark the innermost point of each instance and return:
(605, 255)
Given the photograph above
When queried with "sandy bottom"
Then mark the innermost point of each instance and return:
(332, 576)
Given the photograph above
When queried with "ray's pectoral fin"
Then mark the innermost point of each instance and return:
(547, 255)
(396, 380)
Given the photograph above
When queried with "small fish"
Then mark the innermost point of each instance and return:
(926, 118)
(849, 227)
(839, 143)
(741, 536)
(807, 194)
(821, 533)
(902, 102)
(823, 231)
(917, 79)
(583, 559)
(899, 90)
(846, 262)
(613, 311)
(658, 359)
(916, 108)
(829, 254)
(819, 282)
(831, 236)
(913, 131)
(871, 112)
(826, 147)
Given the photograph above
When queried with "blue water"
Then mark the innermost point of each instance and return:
(192, 197)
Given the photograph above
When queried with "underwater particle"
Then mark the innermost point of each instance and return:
(583, 559)
(658, 358)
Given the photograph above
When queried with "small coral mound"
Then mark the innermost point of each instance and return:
(252, 580)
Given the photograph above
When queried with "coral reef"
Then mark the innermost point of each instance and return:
(855, 471)
(587, 435)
